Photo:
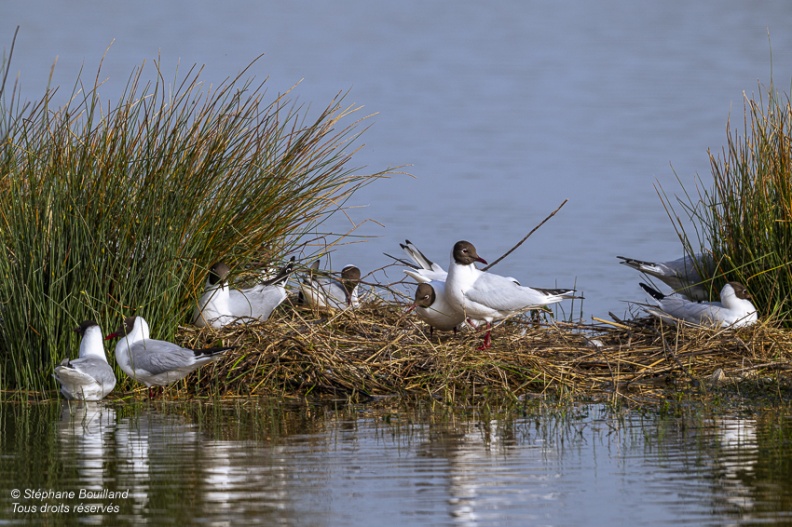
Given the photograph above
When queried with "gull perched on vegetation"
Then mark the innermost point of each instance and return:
(156, 362)
(488, 296)
(328, 292)
(220, 305)
(89, 377)
(681, 275)
(431, 306)
(735, 308)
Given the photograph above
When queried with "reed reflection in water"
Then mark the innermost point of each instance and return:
(221, 464)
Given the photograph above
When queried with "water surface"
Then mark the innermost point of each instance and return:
(501, 110)
(271, 463)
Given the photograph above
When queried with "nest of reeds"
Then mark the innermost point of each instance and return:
(380, 350)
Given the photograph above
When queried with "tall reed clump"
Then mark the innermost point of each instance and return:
(745, 216)
(113, 210)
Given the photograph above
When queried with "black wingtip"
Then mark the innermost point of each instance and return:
(654, 293)
(209, 352)
(283, 275)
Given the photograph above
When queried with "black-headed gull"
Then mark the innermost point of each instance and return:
(220, 305)
(424, 270)
(90, 377)
(328, 292)
(488, 296)
(431, 306)
(735, 308)
(681, 275)
(156, 362)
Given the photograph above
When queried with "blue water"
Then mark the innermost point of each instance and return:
(248, 463)
(499, 110)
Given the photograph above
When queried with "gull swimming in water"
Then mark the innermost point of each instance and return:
(681, 275)
(328, 292)
(220, 305)
(735, 308)
(156, 362)
(488, 296)
(89, 377)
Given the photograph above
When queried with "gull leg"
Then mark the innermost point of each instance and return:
(487, 338)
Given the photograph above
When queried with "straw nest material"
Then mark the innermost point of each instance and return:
(380, 350)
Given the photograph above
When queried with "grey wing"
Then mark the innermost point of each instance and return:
(420, 258)
(264, 299)
(241, 306)
(502, 294)
(158, 356)
(96, 368)
(691, 311)
(332, 290)
(689, 285)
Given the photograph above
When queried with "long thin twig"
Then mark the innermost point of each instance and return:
(507, 253)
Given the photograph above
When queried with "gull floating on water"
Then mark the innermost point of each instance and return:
(328, 292)
(681, 275)
(90, 377)
(156, 362)
(735, 308)
(220, 305)
(488, 296)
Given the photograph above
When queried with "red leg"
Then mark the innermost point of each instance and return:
(487, 338)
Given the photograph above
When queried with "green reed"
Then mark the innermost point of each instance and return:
(745, 215)
(109, 210)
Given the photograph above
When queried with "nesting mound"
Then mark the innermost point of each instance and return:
(379, 350)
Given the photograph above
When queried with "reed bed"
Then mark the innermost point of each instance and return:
(380, 351)
(110, 210)
(743, 217)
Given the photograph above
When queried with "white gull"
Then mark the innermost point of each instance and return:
(735, 308)
(220, 305)
(488, 296)
(89, 377)
(431, 306)
(682, 275)
(328, 292)
(156, 362)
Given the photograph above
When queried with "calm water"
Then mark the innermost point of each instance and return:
(192, 463)
(501, 109)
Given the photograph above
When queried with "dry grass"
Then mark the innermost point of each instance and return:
(380, 351)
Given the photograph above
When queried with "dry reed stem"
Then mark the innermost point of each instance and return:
(378, 351)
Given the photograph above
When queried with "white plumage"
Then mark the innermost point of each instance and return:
(735, 308)
(89, 377)
(220, 305)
